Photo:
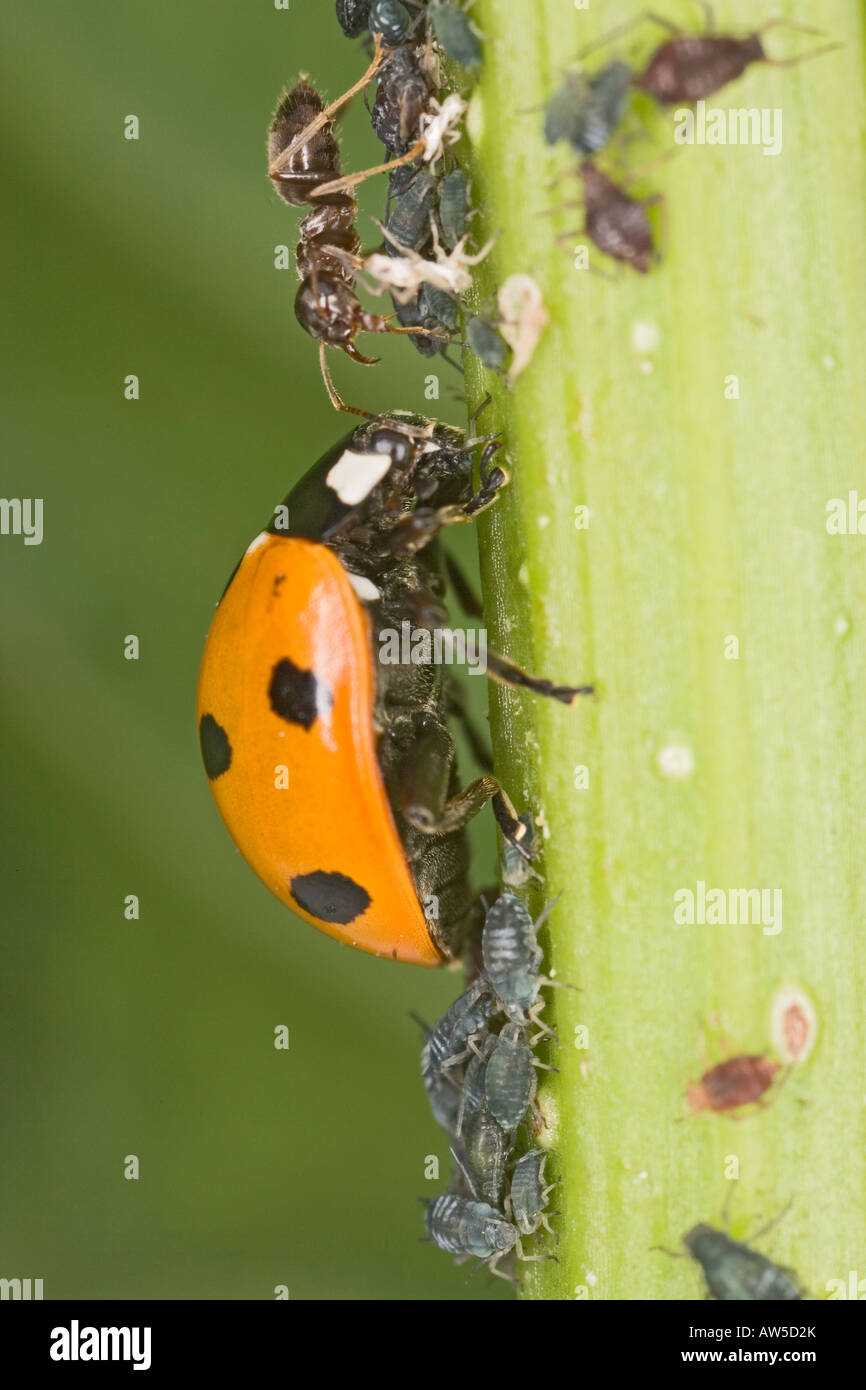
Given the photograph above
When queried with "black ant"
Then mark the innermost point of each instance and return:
(304, 166)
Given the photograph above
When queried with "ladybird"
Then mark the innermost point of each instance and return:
(334, 771)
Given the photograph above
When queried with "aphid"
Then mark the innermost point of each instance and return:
(615, 222)
(485, 1147)
(463, 1020)
(687, 68)
(453, 200)
(353, 16)
(736, 1272)
(454, 33)
(512, 956)
(464, 1227)
(291, 679)
(485, 342)
(735, 1082)
(586, 110)
(472, 1097)
(509, 1081)
(301, 163)
(391, 19)
(443, 308)
(528, 1194)
(403, 95)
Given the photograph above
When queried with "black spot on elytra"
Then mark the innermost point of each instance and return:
(296, 695)
(330, 897)
(216, 751)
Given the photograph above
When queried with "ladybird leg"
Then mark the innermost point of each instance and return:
(425, 803)
(468, 599)
(456, 705)
(499, 668)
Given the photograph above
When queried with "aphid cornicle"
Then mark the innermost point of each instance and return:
(335, 771)
(735, 1272)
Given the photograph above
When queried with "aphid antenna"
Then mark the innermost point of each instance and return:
(765, 1229)
(621, 30)
(324, 116)
(425, 1027)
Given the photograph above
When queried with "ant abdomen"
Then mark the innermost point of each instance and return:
(317, 160)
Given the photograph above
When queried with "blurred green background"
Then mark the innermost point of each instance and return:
(155, 1037)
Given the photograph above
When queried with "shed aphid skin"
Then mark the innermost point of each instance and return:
(733, 1083)
(374, 824)
(735, 1272)
(528, 1194)
(586, 110)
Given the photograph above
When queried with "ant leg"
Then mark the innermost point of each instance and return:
(347, 181)
(333, 395)
(285, 156)
(499, 668)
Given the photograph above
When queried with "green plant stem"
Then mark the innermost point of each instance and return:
(707, 522)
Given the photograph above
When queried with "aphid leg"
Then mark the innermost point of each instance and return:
(545, 1222)
(493, 1266)
(284, 158)
(464, 1171)
(529, 1259)
(499, 668)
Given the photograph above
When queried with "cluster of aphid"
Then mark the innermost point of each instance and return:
(588, 109)
(423, 262)
(479, 1071)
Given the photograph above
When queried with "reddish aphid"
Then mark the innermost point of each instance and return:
(616, 222)
(688, 68)
(738, 1081)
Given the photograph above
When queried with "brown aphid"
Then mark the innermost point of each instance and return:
(738, 1081)
(688, 68)
(615, 222)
